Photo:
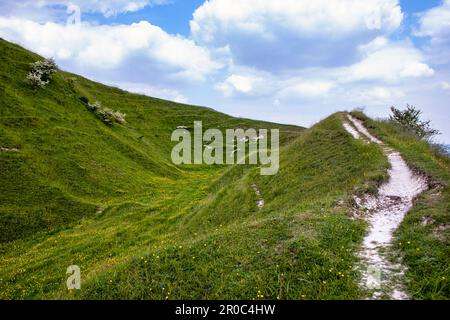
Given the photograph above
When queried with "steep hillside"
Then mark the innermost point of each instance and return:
(75, 191)
(68, 162)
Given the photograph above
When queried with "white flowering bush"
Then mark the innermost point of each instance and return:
(94, 106)
(107, 115)
(119, 117)
(35, 80)
(41, 72)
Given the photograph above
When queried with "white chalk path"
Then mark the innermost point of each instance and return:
(351, 130)
(384, 214)
(360, 127)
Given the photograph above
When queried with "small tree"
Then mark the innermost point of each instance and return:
(409, 119)
(41, 72)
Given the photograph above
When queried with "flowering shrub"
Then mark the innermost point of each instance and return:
(119, 117)
(94, 106)
(36, 80)
(107, 115)
(41, 72)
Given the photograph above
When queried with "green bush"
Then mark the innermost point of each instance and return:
(409, 120)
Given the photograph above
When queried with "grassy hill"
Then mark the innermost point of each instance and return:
(75, 191)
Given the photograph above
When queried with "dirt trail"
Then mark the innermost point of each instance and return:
(384, 213)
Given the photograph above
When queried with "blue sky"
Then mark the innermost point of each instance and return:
(288, 61)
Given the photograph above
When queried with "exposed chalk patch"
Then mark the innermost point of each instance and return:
(351, 130)
(384, 213)
(358, 124)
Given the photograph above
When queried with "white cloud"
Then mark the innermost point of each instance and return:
(321, 17)
(253, 83)
(107, 8)
(435, 23)
(305, 89)
(235, 83)
(376, 95)
(287, 33)
(249, 82)
(107, 49)
(387, 61)
(445, 85)
(381, 63)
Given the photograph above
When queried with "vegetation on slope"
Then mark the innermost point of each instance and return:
(296, 247)
(69, 163)
(108, 199)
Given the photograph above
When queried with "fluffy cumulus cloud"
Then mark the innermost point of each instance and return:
(389, 62)
(306, 89)
(380, 62)
(282, 34)
(107, 8)
(110, 7)
(114, 51)
(247, 82)
(435, 23)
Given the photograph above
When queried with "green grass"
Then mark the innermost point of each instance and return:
(298, 247)
(109, 199)
(423, 237)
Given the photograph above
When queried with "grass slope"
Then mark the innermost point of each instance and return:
(299, 246)
(69, 162)
(109, 200)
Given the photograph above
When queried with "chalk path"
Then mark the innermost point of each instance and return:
(384, 213)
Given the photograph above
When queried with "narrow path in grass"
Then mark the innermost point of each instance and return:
(384, 212)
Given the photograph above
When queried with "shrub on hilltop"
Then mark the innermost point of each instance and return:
(409, 120)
